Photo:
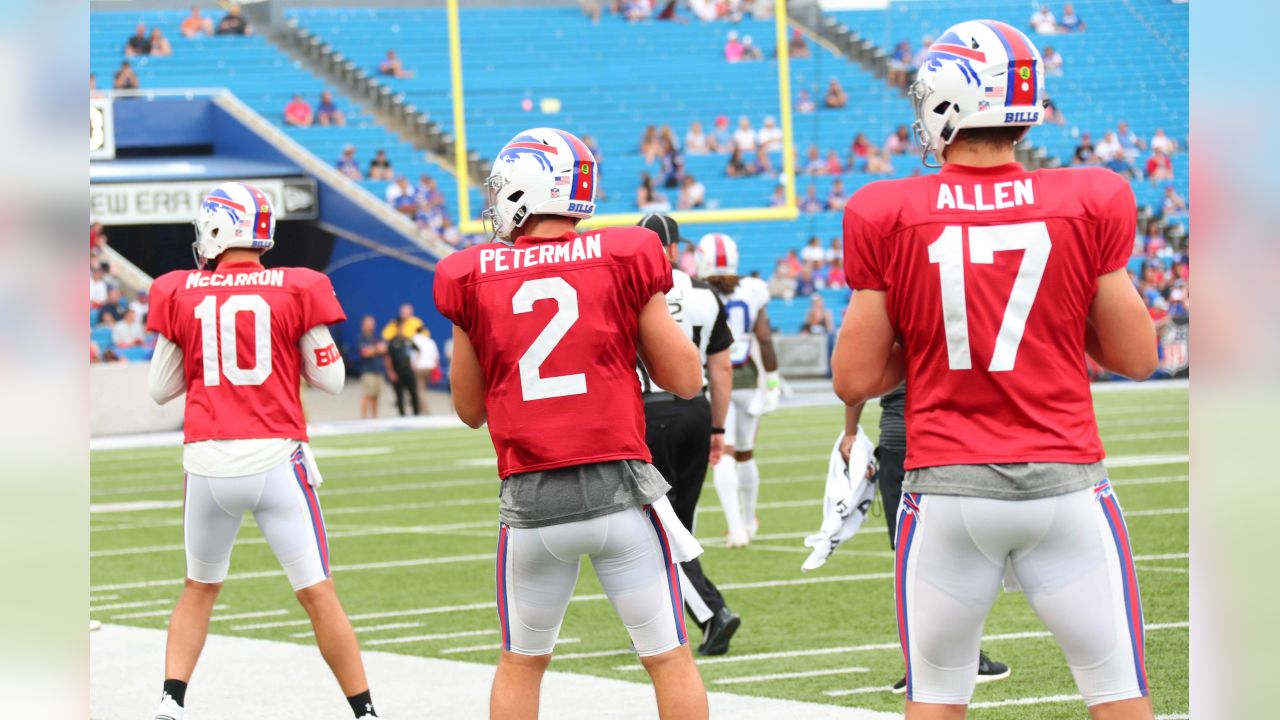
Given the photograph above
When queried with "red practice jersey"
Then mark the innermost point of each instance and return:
(555, 325)
(989, 274)
(238, 327)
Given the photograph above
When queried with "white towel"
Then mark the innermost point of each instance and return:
(684, 546)
(851, 488)
(313, 471)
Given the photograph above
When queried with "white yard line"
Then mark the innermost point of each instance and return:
(364, 629)
(364, 532)
(1163, 569)
(432, 636)
(858, 691)
(442, 609)
(1156, 511)
(498, 646)
(595, 654)
(154, 613)
(247, 615)
(1164, 556)
(789, 675)
(124, 661)
(126, 605)
(1025, 701)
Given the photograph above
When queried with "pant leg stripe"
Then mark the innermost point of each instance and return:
(1129, 581)
(673, 579)
(313, 508)
(907, 522)
(503, 539)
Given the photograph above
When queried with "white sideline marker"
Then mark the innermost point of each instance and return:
(790, 675)
(433, 636)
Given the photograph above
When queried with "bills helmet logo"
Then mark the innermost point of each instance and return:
(531, 146)
(220, 201)
(951, 48)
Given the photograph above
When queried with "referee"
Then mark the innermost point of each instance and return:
(684, 436)
(891, 454)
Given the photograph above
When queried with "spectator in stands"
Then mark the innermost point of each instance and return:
(744, 138)
(813, 164)
(859, 150)
(403, 199)
(93, 86)
(832, 165)
(380, 166)
(732, 47)
(737, 166)
(792, 259)
(430, 220)
(782, 283)
(97, 287)
(667, 135)
(818, 320)
(923, 53)
(805, 103)
(1163, 143)
(1052, 61)
(1070, 21)
(812, 254)
(835, 251)
(835, 275)
(1043, 22)
(1085, 153)
(97, 238)
(1129, 140)
(696, 141)
(797, 47)
(836, 197)
(370, 350)
(693, 194)
(805, 285)
(1159, 167)
(427, 193)
(405, 324)
(128, 332)
(591, 8)
(721, 140)
(298, 112)
(426, 361)
(116, 304)
(762, 164)
(636, 10)
(1119, 163)
(672, 163)
(836, 97)
(347, 164)
(689, 261)
(1107, 147)
(393, 66)
(649, 145)
(196, 24)
(233, 23)
(899, 62)
(899, 142)
(648, 199)
(811, 203)
(160, 46)
(750, 51)
(138, 43)
(125, 78)
(879, 163)
(1174, 205)
(779, 196)
(769, 136)
(141, 306)
(327, 113)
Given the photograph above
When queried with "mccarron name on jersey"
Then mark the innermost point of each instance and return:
(502, 259)
(202, 278)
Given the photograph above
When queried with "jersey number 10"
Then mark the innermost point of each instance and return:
(984, 242)
(218, 323)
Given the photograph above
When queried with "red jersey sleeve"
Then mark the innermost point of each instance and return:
(651, 270)
(863, 247)
(447, 289)
(320, 304)
(160, 310)
(1117, 225)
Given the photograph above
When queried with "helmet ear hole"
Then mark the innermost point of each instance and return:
(515, 196)
(942, 107)
(214, 232)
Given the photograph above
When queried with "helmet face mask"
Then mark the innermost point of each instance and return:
(980, 73)
(541, 171)
(233, 215)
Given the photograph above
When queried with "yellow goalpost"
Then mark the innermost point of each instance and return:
(468, 223)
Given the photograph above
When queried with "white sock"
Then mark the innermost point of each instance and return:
(726, 480)
(748, 488)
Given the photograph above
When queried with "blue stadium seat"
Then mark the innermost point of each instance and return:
(101, 336)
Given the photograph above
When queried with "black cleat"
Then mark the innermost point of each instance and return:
(900, 687)
(989, 669)
(720, 629)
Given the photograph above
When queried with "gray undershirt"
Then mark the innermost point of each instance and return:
(580, 492)
(1008, 481)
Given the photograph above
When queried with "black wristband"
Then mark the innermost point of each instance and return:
(717, 431)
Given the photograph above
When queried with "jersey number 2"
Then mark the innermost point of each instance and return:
(984, 242)
(221, 323)
(532, 385)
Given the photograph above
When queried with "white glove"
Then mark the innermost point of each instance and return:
(767, 397)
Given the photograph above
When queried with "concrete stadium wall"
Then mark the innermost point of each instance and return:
(119, 401)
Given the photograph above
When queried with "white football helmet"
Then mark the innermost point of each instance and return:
(716, 256)
(542, 171)
(233, 215)
(980, 73)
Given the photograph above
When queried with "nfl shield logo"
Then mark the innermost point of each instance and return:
(555, 192)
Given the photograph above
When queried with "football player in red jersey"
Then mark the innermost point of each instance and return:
(236, 339)
(985, 285)
(547, 328)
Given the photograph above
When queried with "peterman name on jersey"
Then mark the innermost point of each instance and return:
(238, 327)
(989, 275)
(555, 324)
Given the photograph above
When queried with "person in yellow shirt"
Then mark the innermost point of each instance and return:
(408, 326)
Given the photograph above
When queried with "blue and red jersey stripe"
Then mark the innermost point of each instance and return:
(584, 169)
(313, 509)
(1129, 580)
(907, 523)
(1021, 89)
(503, 537)
(261, 213)
(673, 577)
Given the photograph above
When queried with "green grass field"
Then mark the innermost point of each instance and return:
(412, 518)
